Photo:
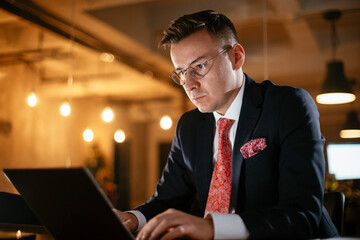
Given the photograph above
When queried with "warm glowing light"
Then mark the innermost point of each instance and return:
(18, 234)
(165, 122)
(335, 98)
(107, 115)
(350, 133)
(65, 109)
(107, 57)
(88, 135)
(32, 99)
(119, 136)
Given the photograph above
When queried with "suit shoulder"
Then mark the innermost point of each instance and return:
(190, 120)
(283, 92)
(288, 98)
(193, 116)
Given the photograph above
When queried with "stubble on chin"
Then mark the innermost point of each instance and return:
(204, 109)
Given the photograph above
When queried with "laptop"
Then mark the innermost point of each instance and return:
(69, 203)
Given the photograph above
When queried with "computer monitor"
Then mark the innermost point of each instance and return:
(344, 160)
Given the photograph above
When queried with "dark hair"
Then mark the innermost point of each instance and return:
(217, 24)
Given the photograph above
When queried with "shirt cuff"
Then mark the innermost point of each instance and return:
(141, 219)
(228, 226)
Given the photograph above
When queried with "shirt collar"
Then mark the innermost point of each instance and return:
(234, 110)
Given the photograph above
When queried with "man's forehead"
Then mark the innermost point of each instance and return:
(183, 56)
(182, 59)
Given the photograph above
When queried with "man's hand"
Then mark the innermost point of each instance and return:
(128, 219)
(174, 224)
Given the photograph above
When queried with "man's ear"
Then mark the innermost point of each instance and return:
(239, 56)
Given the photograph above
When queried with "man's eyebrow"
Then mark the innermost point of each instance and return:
(196, 60)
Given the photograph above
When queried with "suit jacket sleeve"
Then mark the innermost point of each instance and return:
(175, 188)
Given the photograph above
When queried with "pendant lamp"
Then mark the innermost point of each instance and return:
(336, 88)
(351, 128)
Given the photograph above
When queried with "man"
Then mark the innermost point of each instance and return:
(262, 177)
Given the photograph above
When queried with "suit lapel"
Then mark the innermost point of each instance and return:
(203, 156)
(249, 115)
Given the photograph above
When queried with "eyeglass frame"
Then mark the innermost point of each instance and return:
(183, 72)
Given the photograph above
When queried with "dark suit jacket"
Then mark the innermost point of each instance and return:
(278, 192)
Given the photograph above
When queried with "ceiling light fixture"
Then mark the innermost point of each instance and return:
(352, 126)
(336, 88)
(107, 57)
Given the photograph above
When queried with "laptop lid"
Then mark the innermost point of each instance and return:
(69, 203)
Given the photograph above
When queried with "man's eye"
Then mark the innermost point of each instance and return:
(181, 73)
(199, 66)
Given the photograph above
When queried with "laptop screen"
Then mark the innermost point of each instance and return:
(69, 203)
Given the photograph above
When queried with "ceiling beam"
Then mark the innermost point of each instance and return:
(34, 13)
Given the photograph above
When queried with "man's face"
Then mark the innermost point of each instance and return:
(218, 88)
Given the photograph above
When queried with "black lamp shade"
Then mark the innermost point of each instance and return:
(352, 121)
(336, 81)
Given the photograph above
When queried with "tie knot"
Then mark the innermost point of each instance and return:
(224, 125)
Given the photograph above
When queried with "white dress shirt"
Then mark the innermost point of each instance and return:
(230, 225)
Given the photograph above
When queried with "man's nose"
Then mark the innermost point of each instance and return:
(191, 82)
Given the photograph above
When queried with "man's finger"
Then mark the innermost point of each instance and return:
(179, 231)
(166, 224)
(159, 225)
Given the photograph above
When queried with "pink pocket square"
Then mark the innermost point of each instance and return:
(253, 147)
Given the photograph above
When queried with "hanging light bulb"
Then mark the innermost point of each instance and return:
(119, 136)
(107, 115)
(165, 122)
(65, 109)
(88, 135)
(32, 99)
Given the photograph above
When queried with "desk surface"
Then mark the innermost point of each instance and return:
(9, 230)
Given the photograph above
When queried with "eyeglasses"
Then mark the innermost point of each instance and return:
(196, 69)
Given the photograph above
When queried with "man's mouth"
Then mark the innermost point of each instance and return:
(197, 98)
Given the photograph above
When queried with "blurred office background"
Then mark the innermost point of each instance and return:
(91, 56)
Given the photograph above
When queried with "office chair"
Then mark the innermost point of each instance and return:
(334, 203)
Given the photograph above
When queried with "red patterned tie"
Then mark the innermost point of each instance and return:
(220, 186)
